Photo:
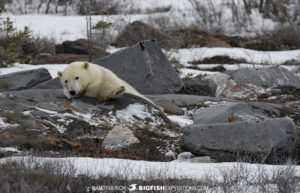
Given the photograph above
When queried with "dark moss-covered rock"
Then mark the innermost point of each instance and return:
(196, 86)
(138, 31)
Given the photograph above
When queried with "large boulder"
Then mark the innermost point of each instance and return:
(190, 37)
(258, 130)
(266, 77)
(24, 79)
(145, 67)
(139, 31)
(267, 140)
(79, 47)
(73, 47)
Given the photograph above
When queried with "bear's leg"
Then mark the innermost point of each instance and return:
(119, 91)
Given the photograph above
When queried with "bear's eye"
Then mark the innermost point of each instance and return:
(66, 81)
(76, 78)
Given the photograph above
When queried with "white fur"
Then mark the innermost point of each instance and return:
(94, 81)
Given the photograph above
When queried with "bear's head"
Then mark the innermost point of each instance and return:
(75, 79)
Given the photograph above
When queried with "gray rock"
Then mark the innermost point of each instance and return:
(172, 109)
(266, 77)
(182, 100)
(24, 79)
(49, 84)
(118, 138)
(48, 105)
(172, 103)
(224, 131)
(270, 140)
(197, 86)
(145, 67)
(59, 123)
(221, 113)
(239, 112)
(219, 78)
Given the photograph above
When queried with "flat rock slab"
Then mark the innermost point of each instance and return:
(266, 77)
(239, 111)
(258, 130)
(183, 100)
(50, 121)
(145, 67)
(46, 104)
(268, 140)
(49, 84)
(172, 103)
(24, 79)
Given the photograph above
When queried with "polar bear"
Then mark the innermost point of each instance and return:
(87, 79)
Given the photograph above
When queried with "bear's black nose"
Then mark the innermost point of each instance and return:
(72, 92)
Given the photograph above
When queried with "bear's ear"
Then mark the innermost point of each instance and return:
(59, 74)
(85, 65)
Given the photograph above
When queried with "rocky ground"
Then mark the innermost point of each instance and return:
(248, 114)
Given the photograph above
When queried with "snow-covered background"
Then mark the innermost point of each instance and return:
(166, 14)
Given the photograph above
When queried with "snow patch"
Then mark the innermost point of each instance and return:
(138, 115)
(4, 124)
(88, 117)
(46, 111)
(146, 169)
(192, 73)
(254, 57)
(52, 68)
(9, 149)
(181, 120)
(137, 110)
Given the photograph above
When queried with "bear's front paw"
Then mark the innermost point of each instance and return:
(120, 90)
(114, 93)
